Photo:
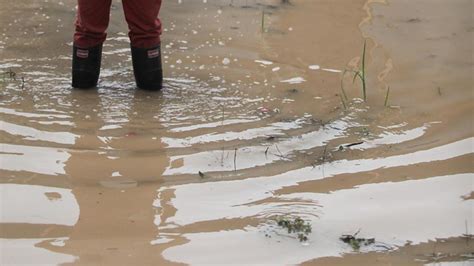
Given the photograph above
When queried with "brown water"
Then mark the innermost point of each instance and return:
(247, 129)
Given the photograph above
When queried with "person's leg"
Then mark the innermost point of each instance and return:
(143, 22)
(145, 31)
(91, 25)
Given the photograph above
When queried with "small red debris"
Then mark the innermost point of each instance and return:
(130, 134)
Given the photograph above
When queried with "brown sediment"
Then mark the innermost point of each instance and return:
(25, 230)
(53, 195)
(468, 196)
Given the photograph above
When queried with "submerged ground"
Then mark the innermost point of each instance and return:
(251, 127)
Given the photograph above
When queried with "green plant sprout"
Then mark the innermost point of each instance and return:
(360, 73)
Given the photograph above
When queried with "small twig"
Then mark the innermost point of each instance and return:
(467, 235)
(383, 245)
(354, 144)
(358, 231)
(235, 159)
(342, 85)
(222, 156)
(284, 235)
(279, 151)
(324, 152)
(280, 156)
(223, 119)
(223, 114)
(324, 160)
(270, 138)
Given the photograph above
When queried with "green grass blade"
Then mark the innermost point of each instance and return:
(356, 74)
(363, 72)
(386, 96)
(343, 102)
(342, 85)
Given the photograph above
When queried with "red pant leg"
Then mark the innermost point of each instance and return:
(91, 22)
(143, 22)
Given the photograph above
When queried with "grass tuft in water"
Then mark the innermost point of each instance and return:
(358, 73)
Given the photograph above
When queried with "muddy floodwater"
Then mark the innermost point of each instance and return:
(251, 127)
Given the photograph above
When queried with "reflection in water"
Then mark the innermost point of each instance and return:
(114, 180)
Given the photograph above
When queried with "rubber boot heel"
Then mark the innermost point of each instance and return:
(86, 66)
(147, 68)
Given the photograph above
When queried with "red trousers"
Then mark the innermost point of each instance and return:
(141, 15)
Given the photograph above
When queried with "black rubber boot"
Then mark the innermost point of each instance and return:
(86, 67)
(147, 68)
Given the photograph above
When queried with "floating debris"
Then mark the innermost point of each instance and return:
(357, 242)
(202, 175)
(296, 80)
(226, 61)
(342, 147)
(264, 62)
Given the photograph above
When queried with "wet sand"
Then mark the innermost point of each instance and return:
(249, 128)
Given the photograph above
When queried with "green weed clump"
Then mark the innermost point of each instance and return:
(297, 226)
